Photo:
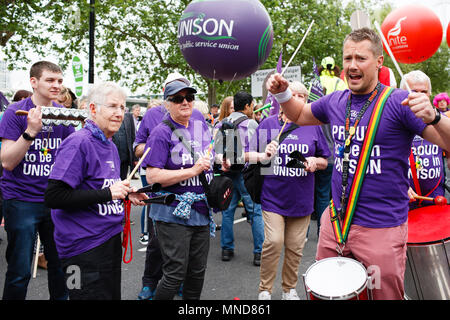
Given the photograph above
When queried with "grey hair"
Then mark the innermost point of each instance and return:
(415, 76)
(297, 86)
(99, 92)
(201, 106)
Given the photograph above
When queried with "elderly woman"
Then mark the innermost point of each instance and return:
(182, 227)
(86, 197)
(287, 196)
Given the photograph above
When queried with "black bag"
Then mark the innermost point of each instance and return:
(229, 143)
(220, 191)
(253, 180)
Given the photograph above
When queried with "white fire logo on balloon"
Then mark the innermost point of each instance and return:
(395, 40)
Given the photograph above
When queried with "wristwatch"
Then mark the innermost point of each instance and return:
(436, 118)
(27, 137)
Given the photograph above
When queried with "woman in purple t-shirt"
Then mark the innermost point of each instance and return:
(287, 196)
(86, 196)
(182, 227)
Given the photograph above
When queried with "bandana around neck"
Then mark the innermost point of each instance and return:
(96, 132)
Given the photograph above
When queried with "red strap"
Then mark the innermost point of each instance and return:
(412, 164)
(127, 232)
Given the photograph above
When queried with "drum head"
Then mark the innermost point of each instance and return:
(429, 224)
(336, 278)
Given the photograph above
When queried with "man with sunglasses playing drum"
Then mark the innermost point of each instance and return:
(378, 233)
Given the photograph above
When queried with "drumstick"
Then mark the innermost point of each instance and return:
(138, 164)
(36, 258)
(298, 48)
(439, 200)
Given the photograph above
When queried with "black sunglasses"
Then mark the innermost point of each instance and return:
(179, 98)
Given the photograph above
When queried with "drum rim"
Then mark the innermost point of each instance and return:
(340, 297)
(429, 242)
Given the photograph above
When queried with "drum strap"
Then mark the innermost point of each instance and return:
(341, 232)
(412, 164)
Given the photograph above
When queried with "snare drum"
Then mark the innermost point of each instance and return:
(427, 275)
(336, 278)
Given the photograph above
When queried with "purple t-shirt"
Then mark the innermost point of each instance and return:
(153, 117)
(383, 200)
(431, 175)
(289, 191)
(28, 180)
(167, 152)
(85, 162)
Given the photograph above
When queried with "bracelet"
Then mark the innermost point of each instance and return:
(284, 96)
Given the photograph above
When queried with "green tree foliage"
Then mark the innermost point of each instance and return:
(136, 40)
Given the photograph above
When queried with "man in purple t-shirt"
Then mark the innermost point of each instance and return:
(27, 155)
(378, 232)
(429, 177)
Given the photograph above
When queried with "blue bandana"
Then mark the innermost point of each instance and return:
(96, 132)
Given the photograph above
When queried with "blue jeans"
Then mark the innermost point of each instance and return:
(322, 192)
(252, 208)
(22, 221)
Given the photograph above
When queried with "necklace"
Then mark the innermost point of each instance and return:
(45, 143)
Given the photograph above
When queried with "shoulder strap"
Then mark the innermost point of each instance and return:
(239, 120)
(181, 138)
(361, 167)
(286, 132)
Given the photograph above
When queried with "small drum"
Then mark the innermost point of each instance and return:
(336, 278)
(427, 275)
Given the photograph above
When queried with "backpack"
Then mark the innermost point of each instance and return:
(229, 143)
(253, 180)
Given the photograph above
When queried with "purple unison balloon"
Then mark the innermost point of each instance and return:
(225, 39)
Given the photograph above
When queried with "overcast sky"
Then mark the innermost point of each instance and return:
(20, 79)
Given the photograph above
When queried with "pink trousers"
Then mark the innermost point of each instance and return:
(381, 250)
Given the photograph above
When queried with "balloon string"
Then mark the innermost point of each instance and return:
(229, 85)
(391, 54)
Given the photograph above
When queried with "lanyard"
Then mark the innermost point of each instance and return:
(349, 133)
(346, 213)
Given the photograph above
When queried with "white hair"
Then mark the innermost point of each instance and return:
(201, 106)
(298, 87)
(415, 76)
(99, 92)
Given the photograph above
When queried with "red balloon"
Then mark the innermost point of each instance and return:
(414, 33)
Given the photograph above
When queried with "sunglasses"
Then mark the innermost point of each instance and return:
(179, 98)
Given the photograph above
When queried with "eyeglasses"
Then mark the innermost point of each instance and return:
(179, 98)
(113, 109)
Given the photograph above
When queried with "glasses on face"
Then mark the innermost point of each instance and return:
(113, 109)
(180, 98)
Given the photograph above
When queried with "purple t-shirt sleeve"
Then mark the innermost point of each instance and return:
(68, 166)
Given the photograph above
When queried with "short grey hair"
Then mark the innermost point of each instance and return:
(201, 106)
(299, 87)
(99, 92)
(416, 76)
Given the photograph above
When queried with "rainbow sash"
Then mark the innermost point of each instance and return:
(341, 230)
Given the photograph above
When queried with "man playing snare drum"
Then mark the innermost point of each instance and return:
(379, 232)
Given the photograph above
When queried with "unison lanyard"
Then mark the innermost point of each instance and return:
(349, 206)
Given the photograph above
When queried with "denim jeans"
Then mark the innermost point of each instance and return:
(252, 208)
(22, 221)
(184, 251)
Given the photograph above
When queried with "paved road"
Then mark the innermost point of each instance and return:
(223, 281)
